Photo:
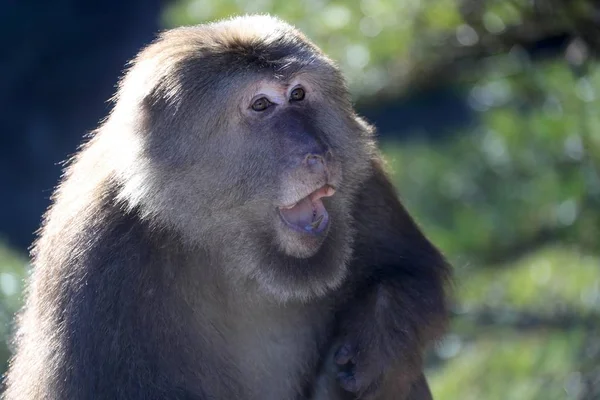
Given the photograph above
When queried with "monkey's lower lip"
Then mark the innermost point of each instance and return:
(308, 215)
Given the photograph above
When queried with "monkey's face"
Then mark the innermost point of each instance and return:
(301, 168)
(258, 161)
(294, 156)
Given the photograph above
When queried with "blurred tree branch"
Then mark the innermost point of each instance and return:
(560, 21)
(531, 320)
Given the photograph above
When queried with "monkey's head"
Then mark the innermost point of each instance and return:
(241, 136)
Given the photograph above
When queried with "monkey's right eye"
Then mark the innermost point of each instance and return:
(261, 104)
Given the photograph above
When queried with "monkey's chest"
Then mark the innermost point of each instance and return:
(277, 354)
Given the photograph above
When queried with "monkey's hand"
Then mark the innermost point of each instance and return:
(381, 343)
(360, 372)
(364, 355)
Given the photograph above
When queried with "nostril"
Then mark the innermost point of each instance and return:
(314, 159)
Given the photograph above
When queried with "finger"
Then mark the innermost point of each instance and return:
(344, 354)
(347, 381)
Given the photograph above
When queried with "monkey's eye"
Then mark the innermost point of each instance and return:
(261, 104)
(297, 94)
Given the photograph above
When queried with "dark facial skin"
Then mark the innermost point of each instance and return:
(229, 232)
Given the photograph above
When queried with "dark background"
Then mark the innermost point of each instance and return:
(487, 113)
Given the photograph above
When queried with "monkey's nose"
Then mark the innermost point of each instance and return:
(315, 162)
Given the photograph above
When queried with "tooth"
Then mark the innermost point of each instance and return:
(288, 207)
(315, 224)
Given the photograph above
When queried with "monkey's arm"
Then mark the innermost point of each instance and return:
(397, 299)
(103, 291)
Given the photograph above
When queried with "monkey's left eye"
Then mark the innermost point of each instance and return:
(297, 94)
(261, 104)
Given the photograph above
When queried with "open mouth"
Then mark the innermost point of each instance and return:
(308, 214)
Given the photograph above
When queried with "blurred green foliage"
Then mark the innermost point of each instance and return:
(513, 200)
(12, 271)
(526, 330)
(525, 175)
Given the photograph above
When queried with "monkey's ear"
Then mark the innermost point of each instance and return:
(367, 129)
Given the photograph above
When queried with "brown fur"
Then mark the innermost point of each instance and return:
(163, 271)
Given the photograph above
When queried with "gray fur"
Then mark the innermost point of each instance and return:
(162, 269)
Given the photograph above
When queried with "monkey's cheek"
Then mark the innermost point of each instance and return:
(299, 244)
